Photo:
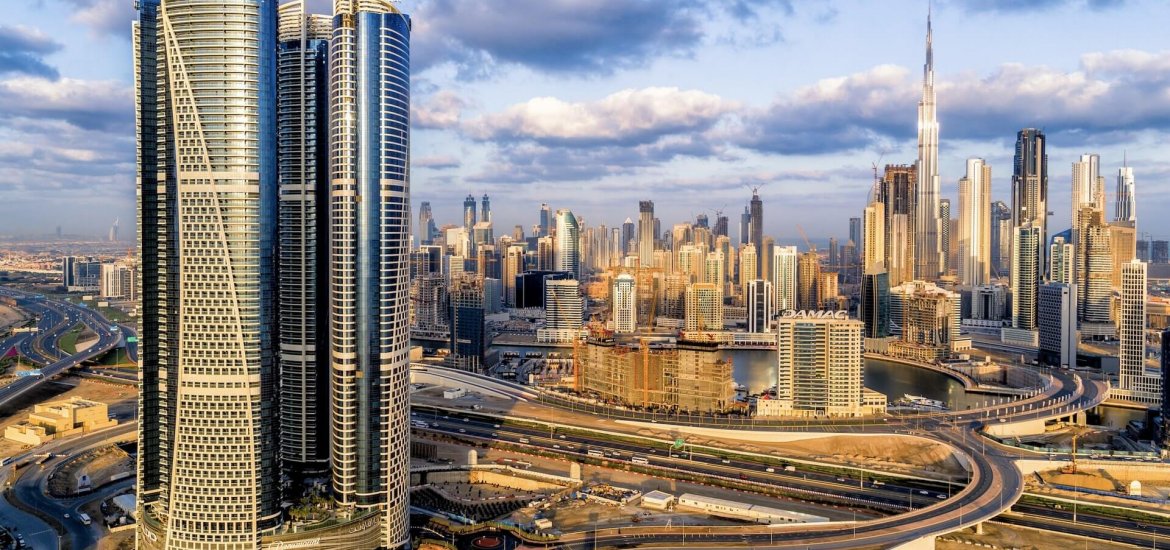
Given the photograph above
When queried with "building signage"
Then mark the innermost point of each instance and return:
(805, 314)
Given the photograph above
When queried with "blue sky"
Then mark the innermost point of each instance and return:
(595, 104)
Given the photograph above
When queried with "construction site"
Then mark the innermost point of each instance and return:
(636, 372)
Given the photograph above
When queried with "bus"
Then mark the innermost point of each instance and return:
(596, 453)
(418, 424)
(639, 459)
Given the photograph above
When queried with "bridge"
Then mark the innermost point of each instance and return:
(995, 481)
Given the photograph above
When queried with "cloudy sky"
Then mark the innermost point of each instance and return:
(595, 104)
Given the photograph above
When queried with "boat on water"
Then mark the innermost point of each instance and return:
(923, 402)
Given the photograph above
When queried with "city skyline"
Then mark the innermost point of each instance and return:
(717, 138)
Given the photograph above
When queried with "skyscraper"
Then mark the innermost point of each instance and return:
(646, 233)
(873, 251)
(627, 237)
(927, 248)
(760, 305)
(1030, 186)
(426, 224)
(207, 446)
(1135, 384)
(720, 225)
(745, 226)
(302, 120)
(944, 236)
(975, 224)
(898, 192)
(784, 277)
(370, 221)
(1062, 262)
(1125, 207)
(1094, 260)
(747, 265)
(704, 307)
(625, 304)
(1025, 276)
(567, 250)
(469, 212)
(808, 281)
(819, 367)
(1058, 324)
(756, 224)
(485, 209)
(855, 231)
(1088, 187)
(1001, 239)
(513, 266)
(545, 220)
(563, 310)
(875, 304)
(468, 339)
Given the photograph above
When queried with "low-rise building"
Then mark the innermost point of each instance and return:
(57, 419)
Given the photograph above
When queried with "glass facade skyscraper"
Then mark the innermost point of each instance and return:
(302, 130)
(369, 249)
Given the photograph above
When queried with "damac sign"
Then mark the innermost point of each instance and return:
(804, 314)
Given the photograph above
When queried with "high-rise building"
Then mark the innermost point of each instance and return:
(207, 432)
(760, 305)
(119, 281)
(370, 238)
(545, 257)
(720, 229)
(756, 226)
(1135, 383)
(646, 233)
(1001, 239)
(944, 236)
(898, 193)
(713, 269)
(485, 206)
(1025, 276)
(1058, 324)
(1094, 272)
(513, 266)
(546, 220)
(928, 320)
(625, 304)
(1030, 187)
(627, 239)
(1062, 262)
(1165, 371)
(989, 302)
(784, 277)
(1125, 205)
(302, 119)
(468, 339)
(1123, 245)
(975, 224)
(1088, 188)
(469, 218)
(855, 236)
(704, 307)
(834, 253)
(874, 249)
(745, 226)
(808, 281)
(563, 311)
(1143, 250)
(875, 304)
(426, 224)
(747, 265)
(1159, 252)
(927, 226)
(819, 367)
(567, 251)
(828, 290)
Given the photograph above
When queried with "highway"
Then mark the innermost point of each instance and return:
(56, 318)
(893, 496)
(30, 489)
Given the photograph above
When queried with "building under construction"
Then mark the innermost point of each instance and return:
(687, 376)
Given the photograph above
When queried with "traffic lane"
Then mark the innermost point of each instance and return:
(30, 490)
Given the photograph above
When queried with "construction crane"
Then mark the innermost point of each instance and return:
(811, 247)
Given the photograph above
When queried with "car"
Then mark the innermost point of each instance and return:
(495, 425)
(555, 446)
(66, 515)
(561, 436)
(462, 431)
(841, 479)
(743, 476)
(941, 497)
(494, 434)
(467, 420)
(725, 461)
(924, 492)
(770, 470)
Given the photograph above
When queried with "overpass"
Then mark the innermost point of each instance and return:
(995, 481)
(62, 316)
